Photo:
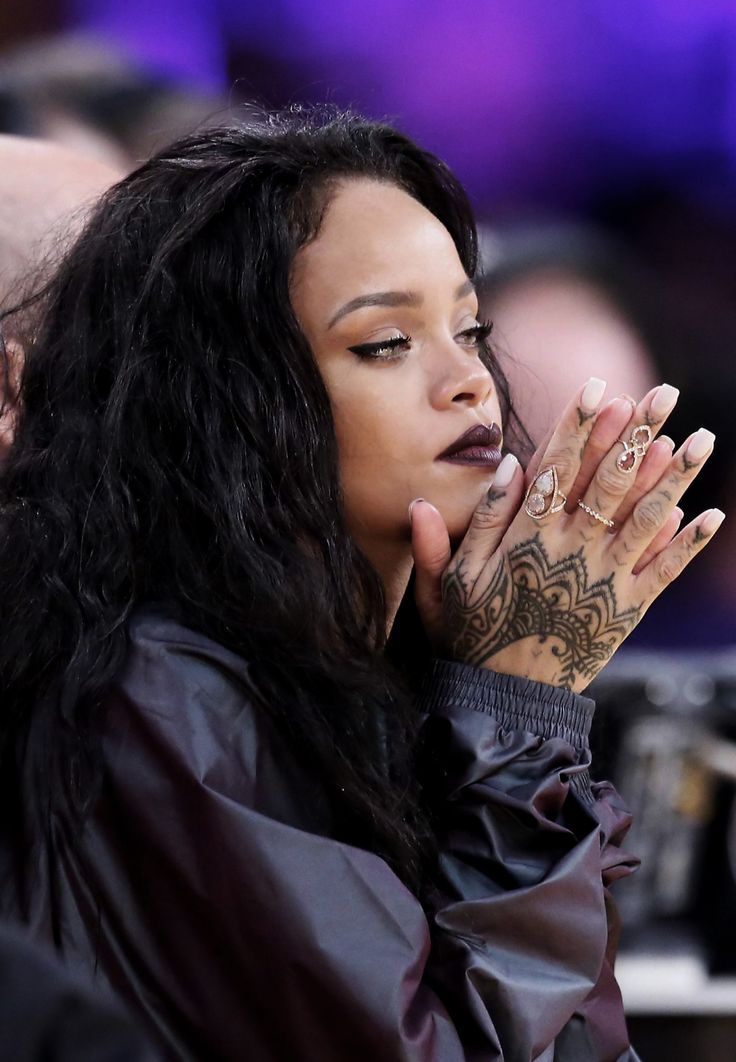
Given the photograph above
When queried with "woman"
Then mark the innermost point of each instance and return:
(236, 791)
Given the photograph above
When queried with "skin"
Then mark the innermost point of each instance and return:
(394, 417)
(551, 598)
(45, 193)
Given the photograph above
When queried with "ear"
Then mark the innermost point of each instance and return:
(11, 367)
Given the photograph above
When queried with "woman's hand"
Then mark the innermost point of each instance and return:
(541, 588)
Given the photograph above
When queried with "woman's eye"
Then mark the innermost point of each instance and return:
(386, 349)
(395, 347)
(477, 336)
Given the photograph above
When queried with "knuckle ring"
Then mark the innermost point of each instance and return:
(634, 449)
(544, 495)
(596, 516)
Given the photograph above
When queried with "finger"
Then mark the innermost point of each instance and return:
(610, 424)
(533, 465)
(652, 511)
(564, 452)
(492, 517)
(614, 477)
(665, 536)
(651, 469)
(430, 542)
(671, 562)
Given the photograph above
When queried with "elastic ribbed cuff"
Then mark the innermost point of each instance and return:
(515, 703)
(581, 784)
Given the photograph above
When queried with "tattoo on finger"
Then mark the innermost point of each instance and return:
(494, 495)
(584, 416)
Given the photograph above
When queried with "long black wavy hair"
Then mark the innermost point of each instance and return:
(175, 444)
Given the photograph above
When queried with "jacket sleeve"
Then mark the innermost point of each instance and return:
(240, 934)
(524, 930)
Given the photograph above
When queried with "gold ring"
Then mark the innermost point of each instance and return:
(544, 495)
(596, 516)
(635, 448)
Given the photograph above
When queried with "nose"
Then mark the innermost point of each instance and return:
(461, 379)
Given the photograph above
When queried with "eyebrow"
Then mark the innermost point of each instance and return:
(393, 298)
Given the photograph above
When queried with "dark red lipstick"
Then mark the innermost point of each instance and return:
(480, 445)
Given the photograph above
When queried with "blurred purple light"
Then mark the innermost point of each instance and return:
(526, 99)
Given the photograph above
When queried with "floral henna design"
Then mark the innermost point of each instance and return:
(529, 596)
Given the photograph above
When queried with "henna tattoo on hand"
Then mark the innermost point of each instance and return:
(530, 596)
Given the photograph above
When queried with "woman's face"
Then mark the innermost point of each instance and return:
(387, 307)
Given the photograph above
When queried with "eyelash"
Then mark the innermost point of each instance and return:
(397, 345)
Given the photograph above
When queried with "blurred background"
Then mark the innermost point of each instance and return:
(598, 142)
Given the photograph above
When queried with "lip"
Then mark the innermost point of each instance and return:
(479, 445)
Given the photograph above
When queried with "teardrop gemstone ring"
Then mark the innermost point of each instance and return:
(544, 495)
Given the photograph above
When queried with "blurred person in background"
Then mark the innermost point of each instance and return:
(284, 800)
(90, 97)
(690, 250)
(46, 192)
(565, 298)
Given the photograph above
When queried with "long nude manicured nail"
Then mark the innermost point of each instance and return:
(666, 439)
(623, 404)
(663, 401)
(711, 521)
(700, 445)
(592, 395)
(505, 471)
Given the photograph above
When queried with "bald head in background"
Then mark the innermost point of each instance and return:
(46, 192)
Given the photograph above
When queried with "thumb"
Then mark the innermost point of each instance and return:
(430, 541)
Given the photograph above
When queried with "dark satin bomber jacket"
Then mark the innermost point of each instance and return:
(205, 892)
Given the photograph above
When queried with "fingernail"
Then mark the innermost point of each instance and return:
(412, 504)
(505, 471)
(592, 395)
(663, 401)
(623, 404)
(700, 445)
(666, 439)
(711, 521)
(678, 512)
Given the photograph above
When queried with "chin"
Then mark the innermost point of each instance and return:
(457, 507)
(457, 519)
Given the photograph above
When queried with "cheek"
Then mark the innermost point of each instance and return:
(383, 469)
(367, 425)
(386, 443)
(381, 457)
